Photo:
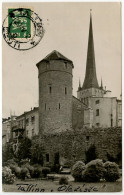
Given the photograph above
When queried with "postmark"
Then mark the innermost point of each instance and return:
(22, 28)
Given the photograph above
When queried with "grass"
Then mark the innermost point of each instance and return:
(53, 186)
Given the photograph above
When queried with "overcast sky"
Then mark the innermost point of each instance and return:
(66, 30)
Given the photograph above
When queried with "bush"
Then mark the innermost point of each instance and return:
(63, 180)
(24, 161)
(11, 162)
(45, 171)
(16, 171)
(37, 172)
(94, 171)
(77, 169)
(24, 173)
(7, 176)
(112, 171)
(91, 153)
(30, 169)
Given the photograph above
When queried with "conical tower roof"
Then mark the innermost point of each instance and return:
(55, 55)
(90, 80)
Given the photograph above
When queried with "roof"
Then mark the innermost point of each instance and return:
(79, 101)
(90, 80)
(54, 55)
(27, 112)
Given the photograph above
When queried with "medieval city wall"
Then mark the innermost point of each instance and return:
(72, 146)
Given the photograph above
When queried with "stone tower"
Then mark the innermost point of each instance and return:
(55, 93)
(90, 86)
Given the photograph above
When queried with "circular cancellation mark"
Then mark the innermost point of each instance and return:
(22, 29)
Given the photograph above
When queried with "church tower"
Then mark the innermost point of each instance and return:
(90, 86)
(55, 93)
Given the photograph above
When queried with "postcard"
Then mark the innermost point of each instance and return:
(61, 97)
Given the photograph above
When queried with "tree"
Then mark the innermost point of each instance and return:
(7, 152)
(91, 153)
(37, 150)
(24, 147)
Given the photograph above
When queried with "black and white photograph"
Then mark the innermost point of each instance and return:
(61, 97)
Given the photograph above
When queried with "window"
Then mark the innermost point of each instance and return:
(27, 132)
(87, 138)
(45, 106)
(32, 119)
(50, 89)
(97, 101)
(32, 132)
(65, 90)
(27, 121)
(47, 157)
(97, 124)
(59, 106)
(97, 112)
(66, 66)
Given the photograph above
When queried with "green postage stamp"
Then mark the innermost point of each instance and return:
(19, 23)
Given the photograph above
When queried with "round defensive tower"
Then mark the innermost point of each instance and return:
(55, 93)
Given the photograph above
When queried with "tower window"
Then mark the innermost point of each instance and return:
(47, 157)
(97, 101)
(65, 90)
(59, 106)
(97, 112)
(50, 89)
(45, 106)
(66, 66)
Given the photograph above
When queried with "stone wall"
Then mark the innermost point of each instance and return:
(72, 145)
(55, 96)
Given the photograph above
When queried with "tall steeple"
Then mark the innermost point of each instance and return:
(90, 80)
(101, 84)
(79, 88)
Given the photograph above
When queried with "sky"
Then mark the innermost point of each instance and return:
(66, 30)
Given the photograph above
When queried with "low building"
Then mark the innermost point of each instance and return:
(6, 128)
(26, 125)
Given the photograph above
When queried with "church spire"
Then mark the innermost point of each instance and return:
(101, 84)
(79, 87)
(90, 80)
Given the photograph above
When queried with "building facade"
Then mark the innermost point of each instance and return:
(26, 125)
(106, 109)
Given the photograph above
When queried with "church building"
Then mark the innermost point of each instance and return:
(106, 109)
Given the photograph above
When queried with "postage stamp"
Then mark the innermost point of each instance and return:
(22, 28)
